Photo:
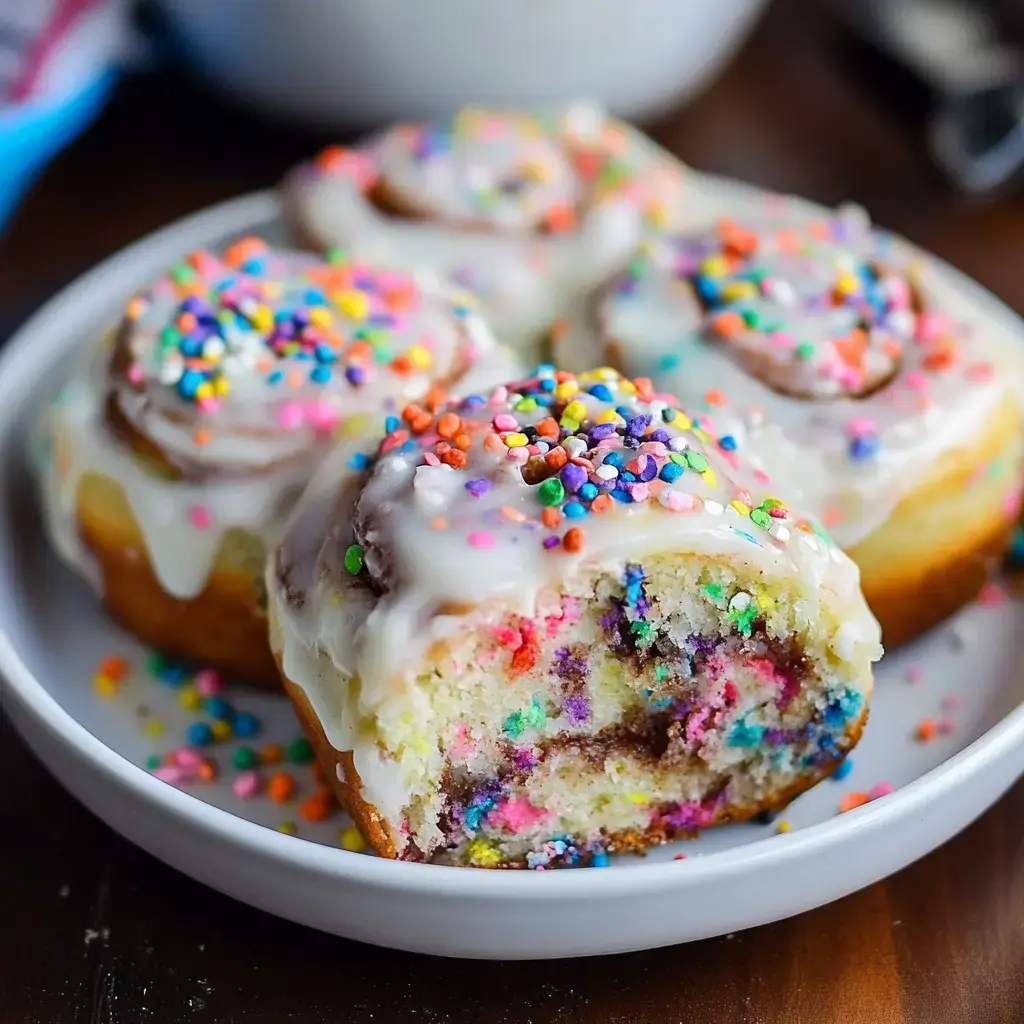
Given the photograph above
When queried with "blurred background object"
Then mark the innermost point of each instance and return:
(340, 63)
(57, 60)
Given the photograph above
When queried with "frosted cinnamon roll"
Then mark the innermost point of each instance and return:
(562, 619)
(525, 210)
(181, 443)
(882, 398)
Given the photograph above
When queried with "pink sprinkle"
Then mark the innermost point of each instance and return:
(677, 501)
(290, 415)
(679, 856)
(981, 371)
(1011, 504)
(930, 327)
(463, 744)
(322, 416)
(655, 448)
(246, 785)
(431, 459)
(945, 726)
(169, 773)
(640, 492)
(200, 517)
(481, 539)
(499, 395)
(505, 421)
(518, 815)
(186, 757)
(992, 595)
(951, 701)
(208, 682)
(915, 674)
(880, 790)
(208, 405)
(916, 381)
(860, 426)
(135, 374)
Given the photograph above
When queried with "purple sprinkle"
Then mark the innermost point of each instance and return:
(355, 374)
(478, 487)
(650, 469)
(524, 759)
(600, 431)
(637, 425)
(551, 542)
(577, 709)
(573, 477)
(659, 435)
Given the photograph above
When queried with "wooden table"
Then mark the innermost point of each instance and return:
(93, 930)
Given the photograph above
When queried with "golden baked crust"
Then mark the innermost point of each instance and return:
(224, 625)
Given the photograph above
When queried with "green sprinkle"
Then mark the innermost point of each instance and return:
(551, 491)
(644, 633)
(744, 618)
(183, 274)
(169, 338)
(155, 664)
(820, 531)
(152, 763)
(354, 559)
(531, 717)
(336, 256)
(759, 517)
(805, 351)
(526, 404)
(714, 591)
(299, 751)
(679, 459)
(751, 318)
(695, 461)
(770, 503)
(288, 828)
(245, 758)
(660, 674)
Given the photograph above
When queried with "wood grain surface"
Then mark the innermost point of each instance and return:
(93, 930)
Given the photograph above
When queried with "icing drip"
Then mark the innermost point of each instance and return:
(228, 381)
(526, 211)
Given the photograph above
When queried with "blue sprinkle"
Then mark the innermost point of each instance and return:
(391, 424)
(842, 770)
(325, 354)
(864, 447)
(574, 510)
(408, 446)
(627, 478)
(616, 459)
(727, 443)
(189, 383)
(601, 393)
(548, 384)
(589, 491)
(670, 472)
(1017, 550)
(599, 859)
(275, 377)
(191, 347)
(358, 461)
(247, 725)
(620, 495)
(199, 734)
(669, 362)
(219, 708)
(746, 734)
(320, 374)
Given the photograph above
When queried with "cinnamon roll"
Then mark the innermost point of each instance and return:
(880, 396)
(526, 210)
(183, 440)
(562, 619)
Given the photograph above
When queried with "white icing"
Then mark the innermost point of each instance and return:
(523, 279)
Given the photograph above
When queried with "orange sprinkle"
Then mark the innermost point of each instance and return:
(281, 787)
(728, 323)
(558, 329)
(574, 540)
(331, 159)
(244, 249)
(318, 807)
(436, 397)
(513, 515)
(203, 436)
(272, 753)
(551, 517)
(401, 364)
(439, 523)
(560, 220)
(187, 322)
(557, 457)
(601, 503)
(587, 163)
(561, 376)
(207, 771)
(940, 359)
(714, 397)
(113, 667)
(455, 459)
(136, 307)
(927, 729)
(644, 386)
(852, 800)
(463, 441)
(547, 427)
(448, 425)
(419, 420)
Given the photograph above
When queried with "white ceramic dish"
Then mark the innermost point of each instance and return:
(53, 636)
(337, 63)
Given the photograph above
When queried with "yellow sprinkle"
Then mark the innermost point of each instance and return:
(262, 318)
(189, 698)
(637, 798)
(738, 290)
(420, 357)
(221, 730)
(288, 828)
(609, 416)
(783, 826)
(321, 316)
(535, 170)
(104, 686)
(765, 601)
(482, 854)
(221, 386)
(351, 839)
(353, 425)
(714, 266)
(516, 440)
(657, 214)
(568, 423)
(741, 507)
(353, 304)
(708, 476)
(575, 410)
(681, 420)
(154, 728)
(566, 389)
(847, 284)
(627, 386)
(273, 289)
(204, 391)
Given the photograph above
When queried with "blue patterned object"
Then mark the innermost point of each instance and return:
(34, 132)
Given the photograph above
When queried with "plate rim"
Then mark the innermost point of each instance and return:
(19, 361)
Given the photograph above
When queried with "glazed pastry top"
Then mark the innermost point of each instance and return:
(845, 367)
(500, 496)
(244, 359)
(526, 210)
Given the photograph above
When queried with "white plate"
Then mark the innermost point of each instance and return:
(53, 637)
